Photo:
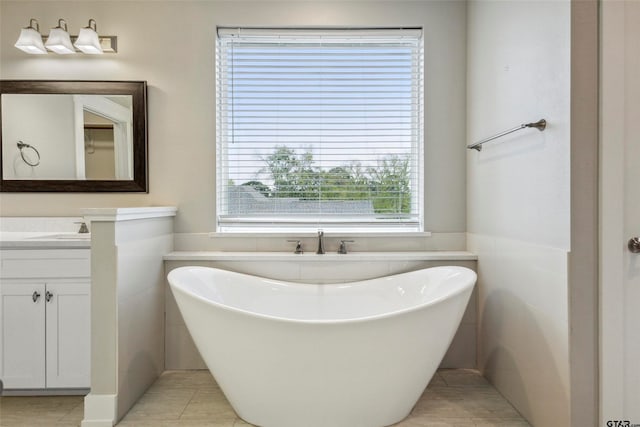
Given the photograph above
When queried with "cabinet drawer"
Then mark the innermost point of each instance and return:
(49, 263)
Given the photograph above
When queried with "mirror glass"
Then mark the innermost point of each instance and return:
(73, 136)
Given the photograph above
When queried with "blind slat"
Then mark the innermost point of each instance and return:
(319, 127)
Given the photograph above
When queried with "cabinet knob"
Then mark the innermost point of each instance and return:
(35, 296)
(48, 296)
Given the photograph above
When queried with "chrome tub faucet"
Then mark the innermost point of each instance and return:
(83, 227)
(298, 250)
(342, 249)
(320, 250)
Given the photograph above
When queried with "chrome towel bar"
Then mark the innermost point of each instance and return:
(540, 125)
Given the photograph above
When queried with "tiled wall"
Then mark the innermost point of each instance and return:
(523, 325)
(519, 200)
(180, 352)
(374, 242)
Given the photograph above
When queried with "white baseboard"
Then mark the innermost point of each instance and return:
(100, 410)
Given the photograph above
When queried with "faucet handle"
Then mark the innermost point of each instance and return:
(83, 227)
(343, 246)
(298, 249)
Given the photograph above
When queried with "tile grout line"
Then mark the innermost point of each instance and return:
(195, 391)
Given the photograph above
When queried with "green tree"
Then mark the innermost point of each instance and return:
(347, 182)
(294, 175)
(336, 184)
(390, 185)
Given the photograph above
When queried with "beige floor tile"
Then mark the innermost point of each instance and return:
(477, 401)
(75, 415)
(457, 377)
(241, 423)
(454, 398)
(197, 379)
(208, 405)
(437, 380)
(177, 423)
(40, 410)
(429, 421)
(167, 405)
(501, 423)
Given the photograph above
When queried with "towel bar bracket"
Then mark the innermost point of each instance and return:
(540, 125)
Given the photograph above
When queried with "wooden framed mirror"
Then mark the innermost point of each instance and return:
(73, 136)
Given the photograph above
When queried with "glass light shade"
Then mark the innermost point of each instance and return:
(88, 41)
(30, 41)
(59, 41)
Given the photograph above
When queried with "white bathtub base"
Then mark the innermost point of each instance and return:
(279, 372)
(373, 385)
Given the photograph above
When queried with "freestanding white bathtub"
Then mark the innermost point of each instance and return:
(357, 354)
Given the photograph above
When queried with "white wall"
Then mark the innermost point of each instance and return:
(127, 307)
(519, 200)
(28, 118)
(171, 45)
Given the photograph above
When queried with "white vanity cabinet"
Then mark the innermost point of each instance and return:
(45, 318)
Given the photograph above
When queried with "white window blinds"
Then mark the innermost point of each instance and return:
(319, 129)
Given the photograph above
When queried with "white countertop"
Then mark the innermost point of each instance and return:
(313, 257)
(125, 214)
(44, 240)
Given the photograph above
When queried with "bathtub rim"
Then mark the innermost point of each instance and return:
(468, 286)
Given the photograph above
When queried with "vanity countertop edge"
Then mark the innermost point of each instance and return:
(44, 240)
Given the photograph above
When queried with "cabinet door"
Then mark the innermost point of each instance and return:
(22, 339)
(68, 335)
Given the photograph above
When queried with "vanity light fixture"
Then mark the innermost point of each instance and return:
(59, 40)
(30, 40)
(88, 40)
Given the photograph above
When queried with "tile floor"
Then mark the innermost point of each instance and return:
(454, 398)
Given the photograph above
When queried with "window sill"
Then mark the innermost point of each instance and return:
(342, 233)
(329, 257)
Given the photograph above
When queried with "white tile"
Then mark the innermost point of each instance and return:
(180, 350)
(446, 242)
(471, 312)
(191, 241)
(323, 272)
(462, 351)
(289, 271)
(523, 330)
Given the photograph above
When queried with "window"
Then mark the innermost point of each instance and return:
(319, 129)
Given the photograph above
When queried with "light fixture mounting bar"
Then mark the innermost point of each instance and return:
(109, 43)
